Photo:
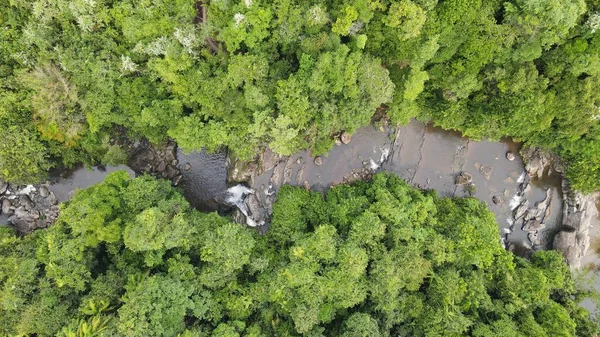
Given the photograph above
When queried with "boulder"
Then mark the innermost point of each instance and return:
(534, 226)
(345, 138)
(187, 166)
(44, 193)
(463, 178)
(162, 166)
(26, 201)
(497, 200)
(6, 206)
(510, 156)
(3, 186)
(520, 211)
(256, 215)
(52, 199)
(171, 171)
(318, 161)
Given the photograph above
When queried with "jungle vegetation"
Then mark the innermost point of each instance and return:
(77, 75)
(129, 257)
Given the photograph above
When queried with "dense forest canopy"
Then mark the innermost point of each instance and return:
(129, 257)
(291, 74)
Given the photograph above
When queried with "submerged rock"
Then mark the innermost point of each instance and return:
(510, 156)
(463, 178)
(486, 171)
(318, 161)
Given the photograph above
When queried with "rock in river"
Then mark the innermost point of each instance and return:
(318, 161)
(463, 178)
(345, 137)
(486, 171)
(497, 200)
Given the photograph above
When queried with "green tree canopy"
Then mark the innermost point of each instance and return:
(129, 257)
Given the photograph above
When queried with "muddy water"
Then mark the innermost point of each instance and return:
(429, 158)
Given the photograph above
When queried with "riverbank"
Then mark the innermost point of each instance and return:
(532, 203)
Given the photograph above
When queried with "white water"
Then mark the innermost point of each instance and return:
(236, 197)
(27, 190)
(515, 201)
(373, 165)
(521, 178)
(385, 152)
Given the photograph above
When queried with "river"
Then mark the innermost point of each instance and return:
(425, 156)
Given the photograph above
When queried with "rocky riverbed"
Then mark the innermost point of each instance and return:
(534, 206)
(526, 196)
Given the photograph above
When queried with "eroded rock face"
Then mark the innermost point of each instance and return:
(578, 211)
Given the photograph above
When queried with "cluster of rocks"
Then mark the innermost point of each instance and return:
(28, 207)
(160, 162)
(578, 210)
(531, 219)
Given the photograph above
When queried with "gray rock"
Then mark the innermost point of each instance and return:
(44, 193)
(161, 167)
(187, 166)
(26, 201)
(510, 156)
(177, 180)
(171, 171)
(345, 138)
(175, 162)
(21, 212)
(486, 171)
(460, 180)
(6, 206)
(169, 156)
(41, 224)
(534, 226)
(578, 212)
(497, 200)
(318, 161)
(463, 178)
(520, 211)
(256, 214)
(3, 186)
(52, 199)
(21, 225)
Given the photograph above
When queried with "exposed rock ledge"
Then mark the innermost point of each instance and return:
(579, 210)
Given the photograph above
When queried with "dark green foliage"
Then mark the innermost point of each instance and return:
(292, 74)
(128, 257)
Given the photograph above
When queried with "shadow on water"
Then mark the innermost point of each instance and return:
(65, 183)
(204, 178)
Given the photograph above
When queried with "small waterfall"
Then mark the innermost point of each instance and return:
(236, 196)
